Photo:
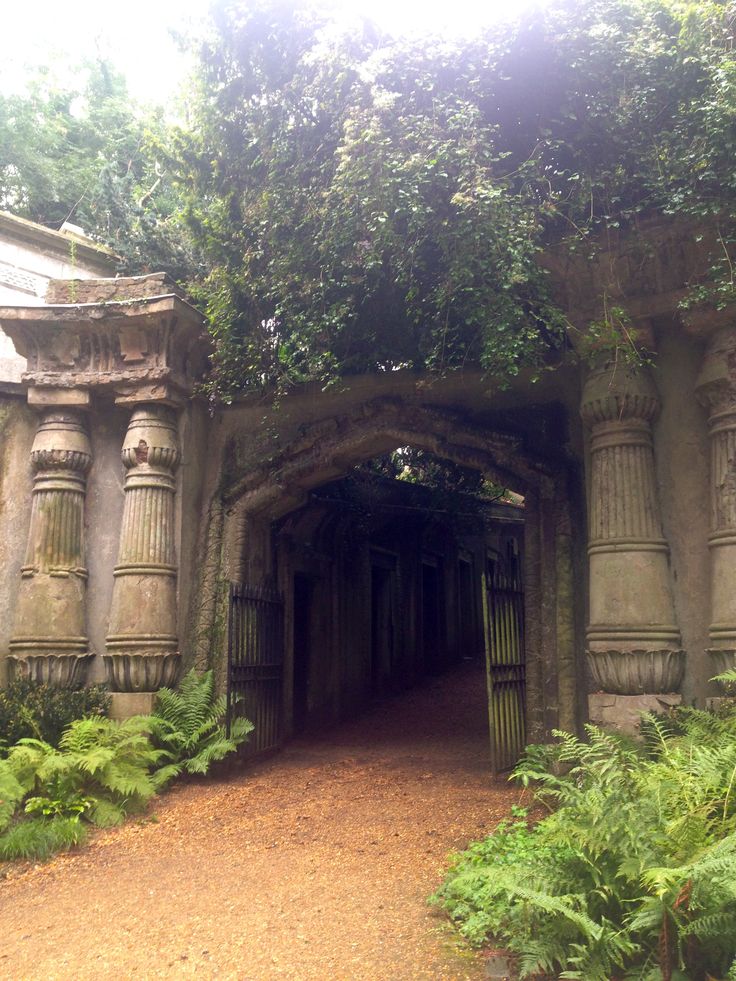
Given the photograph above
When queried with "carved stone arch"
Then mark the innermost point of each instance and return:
(325, 451)
(266, 489)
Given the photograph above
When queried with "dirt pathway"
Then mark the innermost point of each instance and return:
(315, 865)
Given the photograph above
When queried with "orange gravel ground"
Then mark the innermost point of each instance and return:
(313, 865)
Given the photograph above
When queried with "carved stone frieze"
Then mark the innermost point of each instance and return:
(108, 341)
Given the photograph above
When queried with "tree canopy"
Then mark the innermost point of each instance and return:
(341, 201)
(87, 154)
(365, 204)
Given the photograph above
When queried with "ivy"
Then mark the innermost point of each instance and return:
(367, 204)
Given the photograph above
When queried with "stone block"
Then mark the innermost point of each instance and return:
(500, 967)
(720, 702)
(125, 704)
(50, 397)
(623, 712)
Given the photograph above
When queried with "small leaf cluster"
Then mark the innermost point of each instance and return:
(633, 872)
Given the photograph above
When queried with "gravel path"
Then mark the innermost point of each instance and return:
(313, 865)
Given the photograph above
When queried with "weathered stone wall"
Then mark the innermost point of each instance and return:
(17, 430)
(682, 460)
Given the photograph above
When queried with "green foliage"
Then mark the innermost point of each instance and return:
(365, 203)
(97, 760)
(631, 874)
(40, 838)
(89, 155)
(30, 710)
(103, 770)
(355, 207)
(11, 794)
(187, 726)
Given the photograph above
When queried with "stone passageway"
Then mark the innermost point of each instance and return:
(313, 865)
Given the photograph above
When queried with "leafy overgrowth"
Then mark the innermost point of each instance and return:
(633, 872)
(365, 203)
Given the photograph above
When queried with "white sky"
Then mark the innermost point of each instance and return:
(134, 34)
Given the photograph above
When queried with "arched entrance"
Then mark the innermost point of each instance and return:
(268, 490)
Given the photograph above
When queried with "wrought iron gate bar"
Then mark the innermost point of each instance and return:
(505, 657)
(256, 663)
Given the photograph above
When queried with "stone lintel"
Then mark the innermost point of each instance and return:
(126, 704)
(45, 398)
(165, 393)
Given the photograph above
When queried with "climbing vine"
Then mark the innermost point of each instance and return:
(367, 204)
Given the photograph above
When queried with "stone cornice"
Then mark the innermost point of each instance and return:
(156, 343)
(59, 243)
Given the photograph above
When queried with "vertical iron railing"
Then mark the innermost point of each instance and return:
(255, 664)
(505, 662)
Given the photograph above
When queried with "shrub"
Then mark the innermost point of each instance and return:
(187, 727)
(632, 874)
(29, 710)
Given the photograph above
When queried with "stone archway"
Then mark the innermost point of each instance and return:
(262, 490)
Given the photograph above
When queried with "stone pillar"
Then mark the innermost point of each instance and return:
(717, 392)
(142, 644)
(49, 642)
(634, 645)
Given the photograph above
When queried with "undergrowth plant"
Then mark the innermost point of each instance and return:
(30, 710)
(188, 727)
(632, 874)
(103, 770)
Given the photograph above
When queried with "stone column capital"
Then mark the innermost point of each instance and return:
(619, 394)
(716, 383)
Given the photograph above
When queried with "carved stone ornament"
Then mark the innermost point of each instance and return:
(49, 642)
(110, 334)
(634, 644)
(637, 671)
(142, 645)
(141, 672)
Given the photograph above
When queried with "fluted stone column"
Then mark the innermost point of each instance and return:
(49, 642)
(717, 392)
(142, 644)
(634, 644)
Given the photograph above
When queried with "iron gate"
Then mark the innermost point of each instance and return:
(505, 662)
(255, 663)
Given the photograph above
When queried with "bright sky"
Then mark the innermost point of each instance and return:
(135, 34)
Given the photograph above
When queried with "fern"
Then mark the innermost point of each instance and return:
(632, 873)
(11, 794)
(187, 726)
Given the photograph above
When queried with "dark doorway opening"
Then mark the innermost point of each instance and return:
(303, 604)
(433, 638)
(383, 626)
